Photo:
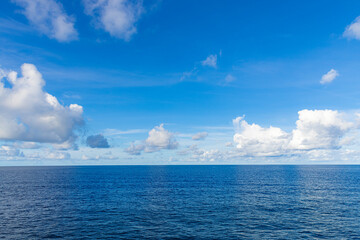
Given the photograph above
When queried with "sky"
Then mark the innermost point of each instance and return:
(107, 82)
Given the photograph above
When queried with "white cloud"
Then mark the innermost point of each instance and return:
(353, 30)
(159, 138)
(329, 76)
(117, 17)
(319, 129)
(315, 129)
(27, 113)
(202, 155)
(257, 141)
(210, 61)
(49, 17)
(57, 155)
(200, 136)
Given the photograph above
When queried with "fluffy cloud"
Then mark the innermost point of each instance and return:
(200, 136)
(97, 141)
(49, 17)
(255, 140)
(329, 76)
(159, 138)
(315, 129)
(353, 30)
(319, 129)
(210, 61)
(27, 113)
(117, 17)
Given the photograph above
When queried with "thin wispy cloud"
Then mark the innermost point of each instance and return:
(199, 136)
(210, 61)
(229, 78)
(329, 76)
(50, 18)
(117, 132)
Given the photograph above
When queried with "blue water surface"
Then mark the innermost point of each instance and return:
(180, 202)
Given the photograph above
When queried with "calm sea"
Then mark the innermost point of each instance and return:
(180, 202)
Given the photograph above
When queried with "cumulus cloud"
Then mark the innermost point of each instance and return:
(97, 141)
(353, 30)
(210, 61)
(315, 129)
(49, 17)
(159, 138)
(200, 136)
(28, 113)
(117, 17)
(255, 140)
(329, 76)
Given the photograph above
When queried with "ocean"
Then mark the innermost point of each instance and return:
(180, 202)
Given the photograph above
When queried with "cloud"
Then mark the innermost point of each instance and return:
(200, 136)
(57, 155)
(319, 129)
(257, 141)
(135, 149)
(9, 151)
(49, 17)
(97, 141)
(117, 17)
(202, 155)
(27, 113)
(27, 145)
(159, 138)
(353, 30)
(116, 132)
(229, 78)
(210, 61)
(106, 156)
(329, 76)
(315, 129)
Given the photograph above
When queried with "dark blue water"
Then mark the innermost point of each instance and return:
(180, 202)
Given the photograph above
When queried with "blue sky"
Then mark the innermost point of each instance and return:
(193, 66)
